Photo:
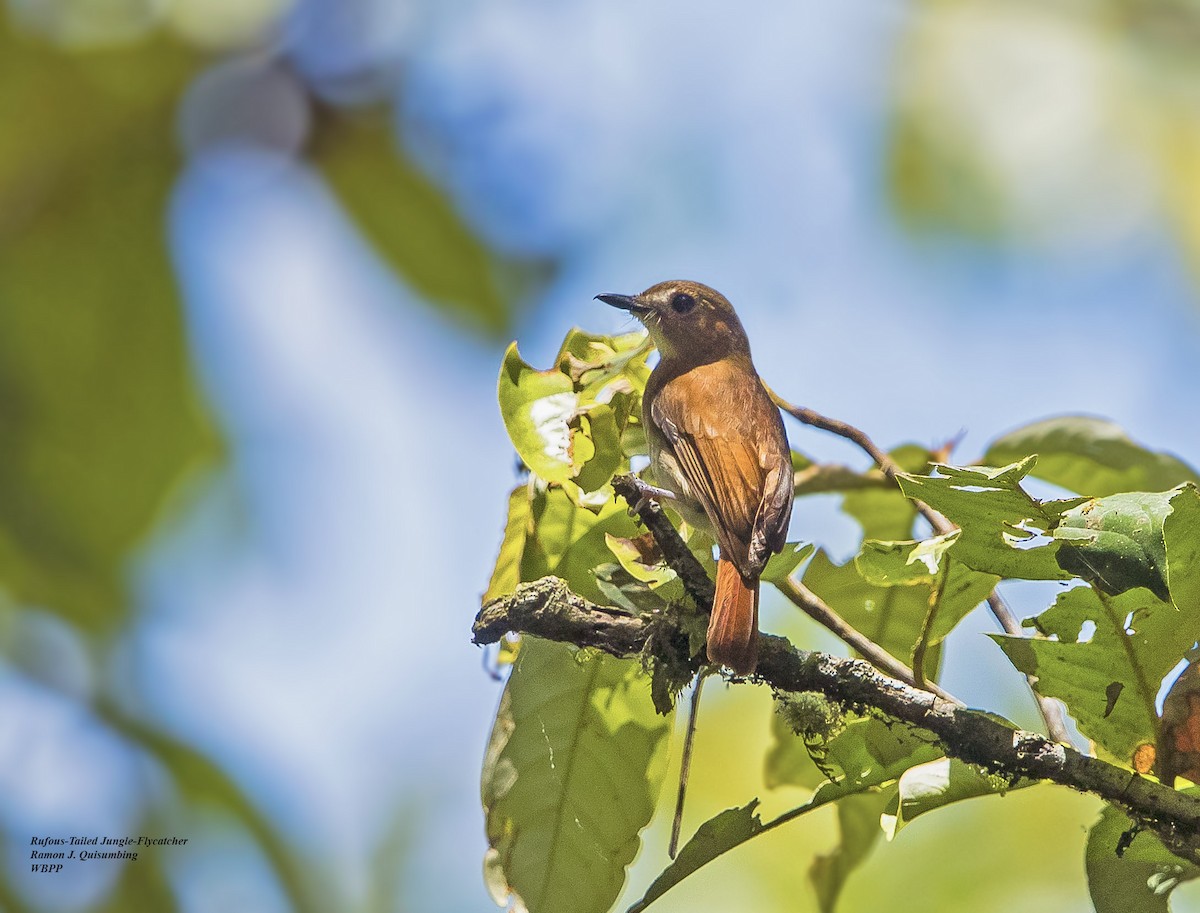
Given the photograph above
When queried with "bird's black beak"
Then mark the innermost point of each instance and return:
(624, 302)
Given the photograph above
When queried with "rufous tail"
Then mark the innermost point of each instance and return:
(733, 626)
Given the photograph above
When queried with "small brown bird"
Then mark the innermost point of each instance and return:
(717, 447)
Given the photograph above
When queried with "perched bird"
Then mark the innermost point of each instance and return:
(717, 447)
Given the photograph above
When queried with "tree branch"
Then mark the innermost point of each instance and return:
(695, 580)
(1052, 712)
(547, 608)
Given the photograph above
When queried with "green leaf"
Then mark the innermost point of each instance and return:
(953, 589)
(715, 836)
(632, 583)
(1090, 456)
(925, 787)
(572, 775)
(507, 572)
(870, 752)
(892, 616)
(99, 416)
(625, 591)
(867, 753)
(570, 424)
(780, 567)
(570, 541)
(858, 825)
(631, 557)
(999, 520)
(1116, 543)
(597, 362)
(1131, 875)
(538, 408)
(600, 428)
(1109, 679)
(413, 224)
(1181, 542)
(788, 761)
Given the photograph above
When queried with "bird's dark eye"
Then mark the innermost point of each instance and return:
(682, 302)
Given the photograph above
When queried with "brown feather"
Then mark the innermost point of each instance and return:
(727, 440)
(733, 625)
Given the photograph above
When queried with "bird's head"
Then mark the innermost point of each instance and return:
(687, 320)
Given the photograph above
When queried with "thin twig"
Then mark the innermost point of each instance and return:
(547, 608)
(685, 766)
(815, 608)
(1050, 709)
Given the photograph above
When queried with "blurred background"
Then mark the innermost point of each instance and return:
(259, 260)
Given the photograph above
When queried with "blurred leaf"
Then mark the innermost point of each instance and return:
(141, 885)
(976, 83)
(885, 513)
(1116, 543)
(412, 223)
(999, 521)
(97, 409)
(572, 775)
(1131, 871)
(823, 478)
(714, 837)
(1109, 678)
(925, 787)
(200, 781)
(507, 572)
(859, 831)
(1091, 456)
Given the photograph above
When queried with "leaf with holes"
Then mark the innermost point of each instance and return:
(1116, 543)
(1108, 676)
(1000, 522)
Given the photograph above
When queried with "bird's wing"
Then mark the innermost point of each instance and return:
(732, 466)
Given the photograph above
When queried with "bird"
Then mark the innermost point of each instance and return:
(718, 449)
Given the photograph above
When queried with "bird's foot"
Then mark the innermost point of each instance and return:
(648, 494)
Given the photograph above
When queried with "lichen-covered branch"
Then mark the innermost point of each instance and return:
(1052, 714)
(547, 608)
